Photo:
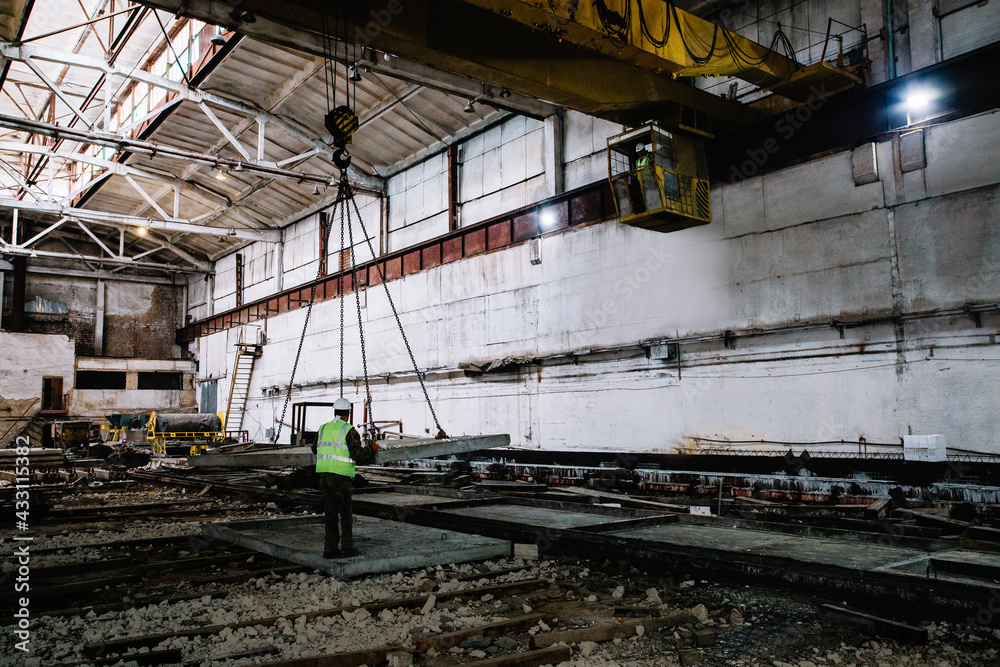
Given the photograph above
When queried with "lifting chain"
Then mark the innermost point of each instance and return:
(298, 353)
(344, 194)
(378, 267)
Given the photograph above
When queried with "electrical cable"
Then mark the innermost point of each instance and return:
(658, 43)
(615, 25)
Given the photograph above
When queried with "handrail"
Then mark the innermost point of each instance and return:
(20, 418)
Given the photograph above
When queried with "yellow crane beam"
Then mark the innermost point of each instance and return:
(657, 36)
(481, 44)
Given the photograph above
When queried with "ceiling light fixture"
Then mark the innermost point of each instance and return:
(221, 176)
(238, 167)
(315, 189)
(218, 39)
(232, 232)
(470, 108)
(354, 75)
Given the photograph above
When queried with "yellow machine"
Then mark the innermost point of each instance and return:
(659, 179)
(200, 430)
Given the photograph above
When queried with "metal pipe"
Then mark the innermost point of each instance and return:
(891, 40)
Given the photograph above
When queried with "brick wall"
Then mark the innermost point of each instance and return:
(140, 319)
(77, 325)
(150, 335)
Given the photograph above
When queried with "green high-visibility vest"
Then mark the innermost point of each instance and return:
(332, 454)
(642, 162)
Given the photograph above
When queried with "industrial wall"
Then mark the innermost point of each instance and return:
(811, 309)
(896, 36)
(114, 318)
(24, 360)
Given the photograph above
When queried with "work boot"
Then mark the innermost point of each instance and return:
(332, 554)
(347, 553)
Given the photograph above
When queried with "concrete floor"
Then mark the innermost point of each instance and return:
(385, 546)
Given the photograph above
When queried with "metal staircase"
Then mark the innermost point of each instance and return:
(239, 388)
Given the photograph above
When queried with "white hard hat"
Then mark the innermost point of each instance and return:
(342, 405)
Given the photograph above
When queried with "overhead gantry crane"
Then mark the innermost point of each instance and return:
(623, 64)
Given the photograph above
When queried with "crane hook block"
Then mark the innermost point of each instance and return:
(342, 123)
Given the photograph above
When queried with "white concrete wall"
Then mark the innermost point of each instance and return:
(501, 169)
(586, 144)
(418, 203)
(95, 402)
(788, 252)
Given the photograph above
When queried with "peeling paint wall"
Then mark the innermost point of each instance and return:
(140, 319)
(25, 358)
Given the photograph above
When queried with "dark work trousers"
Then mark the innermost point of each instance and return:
(337, 491)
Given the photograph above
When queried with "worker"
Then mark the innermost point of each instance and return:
(338, 447)
(641, 157)
(636, 184)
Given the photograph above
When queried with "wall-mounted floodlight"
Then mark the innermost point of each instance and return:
(918, 103)
(546, 219)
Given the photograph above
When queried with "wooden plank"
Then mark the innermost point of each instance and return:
(43, 573)
(981, 545)
(123, 644)
(167, 657)
(637, 612)
(603, 633)
(446, 641)
(626, 501)
(877, 509)
(873, 625)
(372, 656)
(548, 656)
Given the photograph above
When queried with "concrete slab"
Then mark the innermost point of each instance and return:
(392, 450)
(385, 546)
(403, 499)
(809, 549)
(535, 516)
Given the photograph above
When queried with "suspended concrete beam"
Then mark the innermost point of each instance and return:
(392, 450)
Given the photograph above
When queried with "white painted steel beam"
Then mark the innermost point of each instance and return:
(125, 221)
(29, 53)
